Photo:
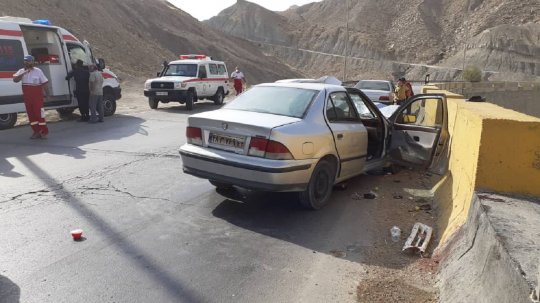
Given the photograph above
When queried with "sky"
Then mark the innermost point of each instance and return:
(206, 9)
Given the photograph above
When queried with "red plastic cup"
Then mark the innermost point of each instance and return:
(77, 234)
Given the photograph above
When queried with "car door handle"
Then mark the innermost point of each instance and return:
(340, 136)
(416, 138)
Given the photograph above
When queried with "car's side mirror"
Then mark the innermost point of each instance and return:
(158, 74)
(409, 119)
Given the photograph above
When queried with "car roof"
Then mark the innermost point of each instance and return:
(375, 81)
(312, 86)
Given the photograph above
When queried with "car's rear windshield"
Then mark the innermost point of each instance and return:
(184, 70)
(373, 85)
(283, 101)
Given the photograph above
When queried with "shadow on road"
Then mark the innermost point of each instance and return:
(198, 107)
(9, 291)
(353, 229)
(64, 139)
(175, 288)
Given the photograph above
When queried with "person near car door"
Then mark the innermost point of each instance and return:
(96, 94)
(410, 91)
(239, 80)
(400, 93)
(82, 88)
(34, 87)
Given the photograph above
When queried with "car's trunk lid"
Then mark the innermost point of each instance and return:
(232, 129)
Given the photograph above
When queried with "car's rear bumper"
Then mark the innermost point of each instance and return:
(248, 172)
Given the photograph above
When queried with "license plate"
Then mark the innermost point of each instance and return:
(235, 142)
(162, 93)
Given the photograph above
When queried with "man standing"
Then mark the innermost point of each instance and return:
(82, 89)
(400, 94)
(410, 92)
(239, 80)
(34, 86)
(96, 94)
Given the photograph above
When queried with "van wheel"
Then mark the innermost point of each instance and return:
(63, 112)
(153, 103)
(109, 104)
(320, 186)
(190, 99)
(219, 96)
(8, 120)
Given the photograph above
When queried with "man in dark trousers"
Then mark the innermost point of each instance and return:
(82, 88)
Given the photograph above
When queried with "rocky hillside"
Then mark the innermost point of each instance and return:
(135, 36)
(386, 35)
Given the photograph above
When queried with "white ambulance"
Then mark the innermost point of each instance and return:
(192, 78)
(56, 50)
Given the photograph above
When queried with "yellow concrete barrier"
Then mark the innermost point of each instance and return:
(491, 149)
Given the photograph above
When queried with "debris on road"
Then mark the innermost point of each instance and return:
(419, 238)
(77, 234)
(370, 195)
(398, 197)
(396, 233)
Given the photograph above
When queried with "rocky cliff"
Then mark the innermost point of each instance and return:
(135, 36)
(385, 36)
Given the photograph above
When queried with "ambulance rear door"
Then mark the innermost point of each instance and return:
(12, 51)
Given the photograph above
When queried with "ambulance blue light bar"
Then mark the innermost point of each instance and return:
(42, 22)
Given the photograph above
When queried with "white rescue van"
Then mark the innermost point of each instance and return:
(56, 51)
(192, 78)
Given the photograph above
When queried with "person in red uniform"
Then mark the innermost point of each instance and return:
(239, 80)
(34, 87)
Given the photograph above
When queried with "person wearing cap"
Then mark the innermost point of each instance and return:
(96, 94)
(82, 88)
(34, 87)
(239, 80)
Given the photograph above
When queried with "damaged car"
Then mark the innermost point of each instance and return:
(307, 136)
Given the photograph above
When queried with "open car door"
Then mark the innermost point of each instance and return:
(419, 133)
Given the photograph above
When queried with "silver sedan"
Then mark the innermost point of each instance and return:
(307, 137)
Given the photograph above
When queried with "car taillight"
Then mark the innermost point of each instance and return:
(384, 98)
(264, 148)
(194, 135)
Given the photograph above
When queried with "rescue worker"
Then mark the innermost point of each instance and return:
(34, 87)
(400, 93)
(82, 89)
(239, 80)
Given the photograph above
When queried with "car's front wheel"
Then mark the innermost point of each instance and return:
(109, 104)
(320, 186)
(190, 100)
(153, 103)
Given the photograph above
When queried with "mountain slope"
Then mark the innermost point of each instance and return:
(384, 35)
(135, 36)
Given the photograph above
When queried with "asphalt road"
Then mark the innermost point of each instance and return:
(154, 234)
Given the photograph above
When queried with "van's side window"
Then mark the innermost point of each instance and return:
(202, 71)
(222, 70)
(213, 69)
(11, 55)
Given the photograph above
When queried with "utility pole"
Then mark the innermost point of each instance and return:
(346, 44)
(466, 38)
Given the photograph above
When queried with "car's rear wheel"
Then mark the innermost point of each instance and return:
(219, 96)
(8, 120)
(220, 185)
(190, 99)
(153, 103)
(320, 186)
